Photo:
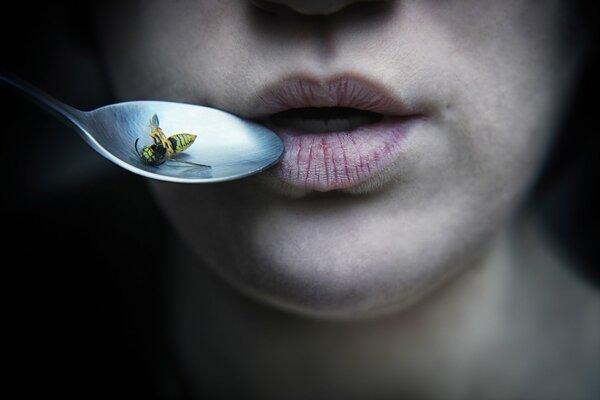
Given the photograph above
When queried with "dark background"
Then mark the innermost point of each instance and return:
(86, 299)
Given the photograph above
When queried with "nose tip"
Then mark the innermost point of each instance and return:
(312, 7)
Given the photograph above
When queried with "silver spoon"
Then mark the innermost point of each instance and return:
(227, 147)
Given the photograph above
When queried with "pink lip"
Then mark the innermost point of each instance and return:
(336, 160)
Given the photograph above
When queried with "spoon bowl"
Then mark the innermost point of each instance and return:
(227, 147)
(232, 147)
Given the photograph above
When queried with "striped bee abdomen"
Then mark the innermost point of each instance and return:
(181, 141)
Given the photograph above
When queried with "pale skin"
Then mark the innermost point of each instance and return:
(430, 281)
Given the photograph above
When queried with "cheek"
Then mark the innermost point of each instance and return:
(195, 52)
(501, 84)
(217, 222)
(501, 127)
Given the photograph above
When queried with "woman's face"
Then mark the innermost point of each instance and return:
(367, 211)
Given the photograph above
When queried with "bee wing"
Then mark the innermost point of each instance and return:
(154, 121)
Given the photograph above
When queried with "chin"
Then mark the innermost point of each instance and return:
(334, 289)
(338, 292)
(345, 263)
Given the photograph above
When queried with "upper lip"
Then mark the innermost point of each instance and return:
(302, 91)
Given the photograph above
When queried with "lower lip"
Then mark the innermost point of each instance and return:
(340, 160)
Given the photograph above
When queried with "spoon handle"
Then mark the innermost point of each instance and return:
(69, 115)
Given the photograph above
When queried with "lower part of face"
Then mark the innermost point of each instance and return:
(486, 79)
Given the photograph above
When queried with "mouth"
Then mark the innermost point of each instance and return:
(338, 133)
(325, 119)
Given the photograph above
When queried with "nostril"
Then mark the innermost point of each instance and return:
(318, 7)
(272, 7)
(369, 7)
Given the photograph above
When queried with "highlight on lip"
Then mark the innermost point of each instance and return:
(337, 133)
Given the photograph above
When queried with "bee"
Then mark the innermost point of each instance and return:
(164, 148)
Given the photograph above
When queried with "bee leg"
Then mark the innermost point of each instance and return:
(155, 138)
(189, 163)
